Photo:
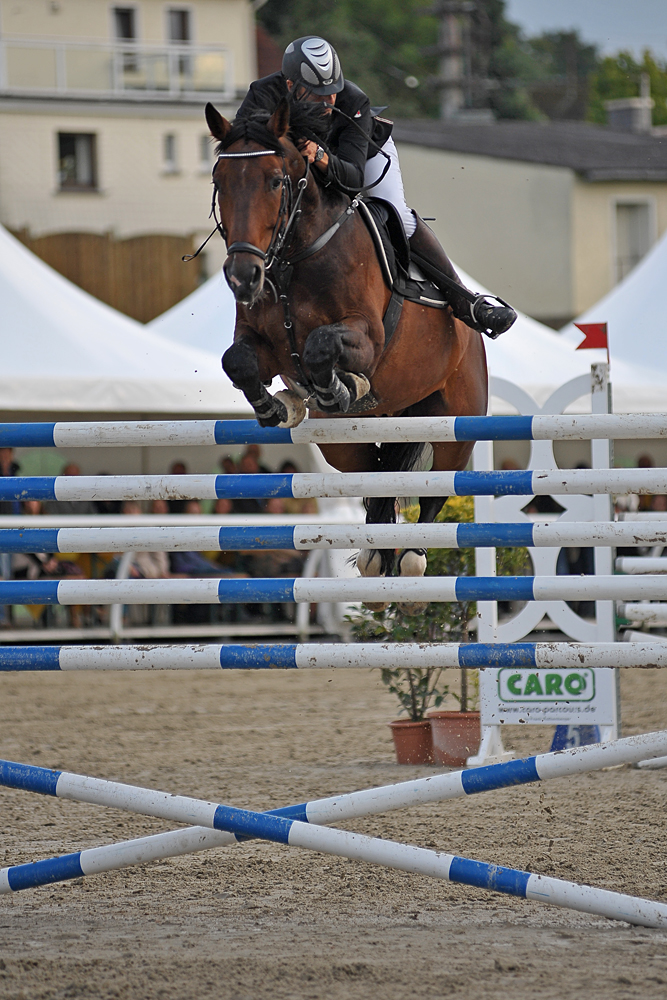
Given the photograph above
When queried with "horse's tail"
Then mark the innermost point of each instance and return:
(397, 457)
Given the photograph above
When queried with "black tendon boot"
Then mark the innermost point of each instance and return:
(474, 310)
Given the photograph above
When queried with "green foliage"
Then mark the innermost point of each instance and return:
(619, 76)
(380, 43)
(417, 689)
(440, 622)
(383, 43)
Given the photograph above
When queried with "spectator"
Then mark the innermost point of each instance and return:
(160, 507)
(196, 564)
(69, 506)
(8, 467)
(291, 505)
(177, 469)
(254, 451)
(228, 465)
(107, 506)
(41, 565)
(146, 565)
(249, 466)
(645, 499)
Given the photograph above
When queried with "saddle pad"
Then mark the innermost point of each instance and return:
(401, 275)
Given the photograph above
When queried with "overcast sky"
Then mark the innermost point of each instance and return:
(612, 24)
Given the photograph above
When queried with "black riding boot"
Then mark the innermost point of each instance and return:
(474, 311)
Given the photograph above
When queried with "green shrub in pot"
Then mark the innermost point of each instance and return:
(418, 690)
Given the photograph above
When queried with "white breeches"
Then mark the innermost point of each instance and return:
(391, 186)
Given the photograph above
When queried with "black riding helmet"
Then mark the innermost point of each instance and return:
(313, 62)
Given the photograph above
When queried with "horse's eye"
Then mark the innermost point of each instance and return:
(275, 183)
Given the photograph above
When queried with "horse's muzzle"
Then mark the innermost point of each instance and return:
(244, 273)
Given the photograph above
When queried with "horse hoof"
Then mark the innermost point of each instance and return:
(376, 605)
(358, 385)
(295, 406)
(413, 609)
(369, 563)
(412, 562)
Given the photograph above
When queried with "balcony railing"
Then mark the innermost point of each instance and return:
(126, 70)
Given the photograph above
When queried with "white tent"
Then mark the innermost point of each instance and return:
(530, 354)
(63, 350)
(635, 313)
(540, 360)
(205, 319)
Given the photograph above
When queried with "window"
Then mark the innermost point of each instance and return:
(126, 30)
(169, 154)
(124, 22)
(634, 235)
(205, 153)
(77, 167)
(179, 28)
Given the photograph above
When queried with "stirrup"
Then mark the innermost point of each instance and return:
(482, 327)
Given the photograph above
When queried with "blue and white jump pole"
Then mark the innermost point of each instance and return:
(312, 485)
(281, 827)
(327, 656)
(312, 590)
(336, 808)
(335, 536)
(191, 433)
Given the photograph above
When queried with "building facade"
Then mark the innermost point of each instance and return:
(103, 133)
(549, 215)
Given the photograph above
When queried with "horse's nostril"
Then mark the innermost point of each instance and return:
(256, 276)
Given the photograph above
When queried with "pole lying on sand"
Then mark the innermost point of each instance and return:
(335, 809)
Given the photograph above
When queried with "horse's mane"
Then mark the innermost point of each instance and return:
(307, 120)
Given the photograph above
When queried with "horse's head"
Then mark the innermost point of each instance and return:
(256, 170)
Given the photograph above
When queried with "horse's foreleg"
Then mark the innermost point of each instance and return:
(336, 356)
(242, 364)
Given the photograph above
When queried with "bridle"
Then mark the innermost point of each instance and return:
(278, 266)
(288, 212)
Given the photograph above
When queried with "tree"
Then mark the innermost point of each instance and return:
(389, 48)
(564, 64)
(381, 44)
(620, 76)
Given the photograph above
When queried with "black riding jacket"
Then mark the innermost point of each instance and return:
(349, 145)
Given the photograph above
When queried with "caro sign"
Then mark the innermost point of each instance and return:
(533, 695)
(545, 685)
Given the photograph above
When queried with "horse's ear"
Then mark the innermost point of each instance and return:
(278, 123)
(218, 125)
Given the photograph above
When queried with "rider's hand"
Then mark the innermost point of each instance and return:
(309, 150)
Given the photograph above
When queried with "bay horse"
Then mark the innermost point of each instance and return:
(311, 298)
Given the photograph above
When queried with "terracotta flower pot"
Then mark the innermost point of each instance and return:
(455, 736)
(412, 741)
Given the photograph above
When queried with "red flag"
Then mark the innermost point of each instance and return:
(595, 335)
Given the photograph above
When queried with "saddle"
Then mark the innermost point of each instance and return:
(402, 276)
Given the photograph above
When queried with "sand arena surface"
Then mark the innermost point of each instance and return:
(263, 920)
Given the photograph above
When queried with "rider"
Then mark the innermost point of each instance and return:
(362, 155)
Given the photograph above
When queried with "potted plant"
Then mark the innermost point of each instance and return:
(416, 689)
(455, 734)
